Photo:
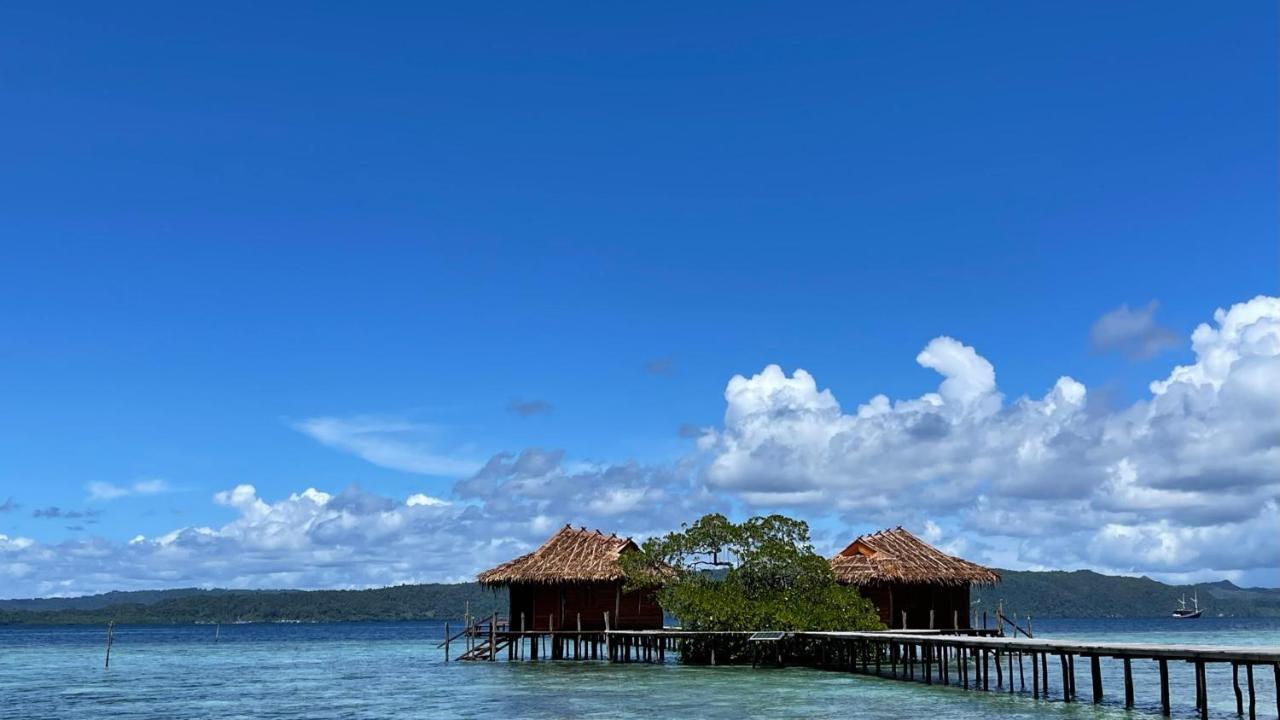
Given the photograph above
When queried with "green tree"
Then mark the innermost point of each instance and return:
(761, 574)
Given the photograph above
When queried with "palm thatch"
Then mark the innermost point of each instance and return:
(898, 556)
(571, 555)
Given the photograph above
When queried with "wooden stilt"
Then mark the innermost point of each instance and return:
(999, 672)
(1204, 690)
(1066, 680)
(1164, 687)
(1044, 673)
(493, 637)
(1095, 669)
(1022, 675)
(446, 646)
(1009, 659)
(1253, 696)
(1035, 677)
(1128, 683)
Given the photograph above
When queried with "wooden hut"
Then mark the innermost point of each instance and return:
(574, 574)
(901, 573)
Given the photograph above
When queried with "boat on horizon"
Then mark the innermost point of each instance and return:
(1188, 613)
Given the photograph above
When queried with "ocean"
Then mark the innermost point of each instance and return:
(393, 670)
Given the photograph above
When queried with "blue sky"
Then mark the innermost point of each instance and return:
(244, 245)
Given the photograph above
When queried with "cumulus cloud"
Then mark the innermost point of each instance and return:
(1198, 459)
(1133, 333)
(388, 442)
(1182, 483)
(529, 408)
(355, 538)
(99, 490)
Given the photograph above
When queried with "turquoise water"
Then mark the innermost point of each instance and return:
(392, 670)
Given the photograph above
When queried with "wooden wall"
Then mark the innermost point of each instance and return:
(560, 605)
(949, 604)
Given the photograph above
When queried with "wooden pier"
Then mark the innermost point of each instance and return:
(965, 659)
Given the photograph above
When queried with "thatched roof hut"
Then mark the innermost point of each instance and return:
(571, 555)
(573, 579)
(912, 583)
(898, 556)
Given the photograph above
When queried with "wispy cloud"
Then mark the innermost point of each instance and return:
(99, 490)
(529, 408)
(1132, 332)
(53, 511)
(659, 366)
(9, 505)
(387, 442)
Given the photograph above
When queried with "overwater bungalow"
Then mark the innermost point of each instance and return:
(575, 574)
(911, 583)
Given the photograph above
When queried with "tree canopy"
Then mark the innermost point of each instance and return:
(761, 574)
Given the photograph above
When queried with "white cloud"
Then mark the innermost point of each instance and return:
(1198, 459)
(1134, 333)
(99, 490)
(388, 442)
(1183, 483)
(354, 538)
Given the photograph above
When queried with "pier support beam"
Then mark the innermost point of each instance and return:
(1164, 687)
(1128, 683)
(1095, 669)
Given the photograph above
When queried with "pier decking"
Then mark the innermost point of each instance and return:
(960, 658)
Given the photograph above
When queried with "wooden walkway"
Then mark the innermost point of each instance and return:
(960, 658)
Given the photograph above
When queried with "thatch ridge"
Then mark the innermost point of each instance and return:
(571, 555)
(898, 556)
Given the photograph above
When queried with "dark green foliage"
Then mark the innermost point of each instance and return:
(761, 574)
(1084, 593)
(404, 602)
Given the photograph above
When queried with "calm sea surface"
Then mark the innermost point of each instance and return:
(392, 670)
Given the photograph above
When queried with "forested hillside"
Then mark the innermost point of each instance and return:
(1084, 593)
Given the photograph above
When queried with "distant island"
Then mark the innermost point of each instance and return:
(1081, 593)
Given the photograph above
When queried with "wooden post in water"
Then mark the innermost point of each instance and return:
(1164, 687)
(217, 633)
(999, 672)
(1044, 673)
(1095, 669)
(1128, 683)
(1204, 689)
(1009, 659)
(493, 637)
(111, 626)
(446, 642)
(1235, 685)
(1253, 698)
(1035, 677)
(1022, 675)
(1066, 679)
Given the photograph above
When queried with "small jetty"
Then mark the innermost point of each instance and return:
(568, 602)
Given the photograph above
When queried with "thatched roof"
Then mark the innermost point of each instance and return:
(571, 555)
(898, 556)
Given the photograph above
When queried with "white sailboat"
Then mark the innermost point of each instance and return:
(1188, 613)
